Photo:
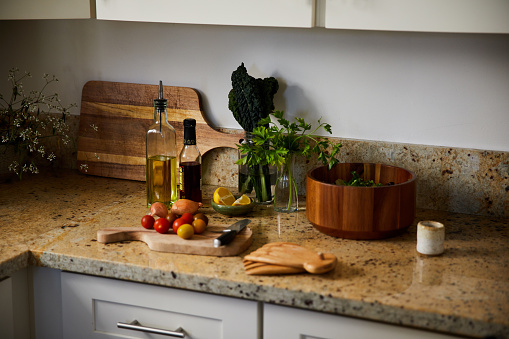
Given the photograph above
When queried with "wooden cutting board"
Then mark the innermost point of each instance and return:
(122, 113)
(200, 244)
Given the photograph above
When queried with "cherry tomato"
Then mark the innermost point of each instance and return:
(162, 225)
(177, 223)
(202, 217)
(187, 217)
(199, 226)
(185, 231)
(147, 221)
(171, 217)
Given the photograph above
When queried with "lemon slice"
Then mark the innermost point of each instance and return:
(222, 196)
(243, 200)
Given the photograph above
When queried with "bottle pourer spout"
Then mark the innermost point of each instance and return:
(160, 89)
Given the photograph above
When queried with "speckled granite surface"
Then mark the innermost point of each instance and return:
(465, 291)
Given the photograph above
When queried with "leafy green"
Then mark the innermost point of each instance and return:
(357, 181)
(251, 99)
(273, 145)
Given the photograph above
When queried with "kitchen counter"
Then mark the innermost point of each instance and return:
(51, 220)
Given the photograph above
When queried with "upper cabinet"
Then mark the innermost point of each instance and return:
(47, 9)
(275, 13)
(452, 16)
(455, 16)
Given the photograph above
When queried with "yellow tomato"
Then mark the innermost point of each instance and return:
(185, 231)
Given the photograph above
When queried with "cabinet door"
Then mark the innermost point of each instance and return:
(277, 13)
(290, 323)
(461, 16)
(47, 9)
(14, 306)
(92, 307)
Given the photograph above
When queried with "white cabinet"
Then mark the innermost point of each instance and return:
(92, 307)
(276, 13)
(47, 9)
(290, 323)
(461, 16)
(14, 306)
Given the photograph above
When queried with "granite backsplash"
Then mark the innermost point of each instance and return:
(458, 180)
(448, 179)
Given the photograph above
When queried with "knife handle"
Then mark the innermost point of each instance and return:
(225, 238)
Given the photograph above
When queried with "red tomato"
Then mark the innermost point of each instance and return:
(147, 221)
(177, 223)
(162, 225)
(188, 218)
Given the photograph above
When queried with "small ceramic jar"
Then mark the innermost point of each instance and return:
(430, 237)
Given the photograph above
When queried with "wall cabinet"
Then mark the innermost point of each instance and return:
(460, 16)
(276, 13)
(47, 9)
(453, 16)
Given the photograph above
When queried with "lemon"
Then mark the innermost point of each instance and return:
(222, 196)
(243, 200)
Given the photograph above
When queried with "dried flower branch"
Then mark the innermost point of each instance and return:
(24, 122)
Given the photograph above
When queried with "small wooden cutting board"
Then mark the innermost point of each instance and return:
(199, 244)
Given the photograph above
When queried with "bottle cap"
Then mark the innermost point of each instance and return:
(189, 122)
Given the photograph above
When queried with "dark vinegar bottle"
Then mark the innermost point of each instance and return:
(190, 164)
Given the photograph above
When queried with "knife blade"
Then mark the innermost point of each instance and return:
(230, 233)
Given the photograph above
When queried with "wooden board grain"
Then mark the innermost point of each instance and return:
(199, 244)
(114, 119)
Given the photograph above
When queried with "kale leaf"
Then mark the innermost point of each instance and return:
(251, 99)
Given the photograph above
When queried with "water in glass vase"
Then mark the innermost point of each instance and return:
(263, 184)
(161, 179)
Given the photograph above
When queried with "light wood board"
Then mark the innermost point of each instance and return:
(199, 244)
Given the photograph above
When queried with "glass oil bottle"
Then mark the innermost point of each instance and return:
(161, 156)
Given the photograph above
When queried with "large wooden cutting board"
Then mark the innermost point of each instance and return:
(122, 113)
(199, 244)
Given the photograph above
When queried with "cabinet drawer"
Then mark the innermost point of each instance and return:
(93, 306)
(290, 323)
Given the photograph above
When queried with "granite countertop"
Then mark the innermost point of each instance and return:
(52, 221)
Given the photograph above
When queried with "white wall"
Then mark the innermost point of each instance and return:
(433, 89)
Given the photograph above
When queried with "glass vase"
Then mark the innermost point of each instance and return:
(286, 198)
(260, 178)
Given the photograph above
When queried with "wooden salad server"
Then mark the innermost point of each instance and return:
(287, 258)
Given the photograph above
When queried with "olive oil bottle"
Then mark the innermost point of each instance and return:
(161, 156)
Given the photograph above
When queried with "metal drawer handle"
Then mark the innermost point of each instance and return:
(136, 326)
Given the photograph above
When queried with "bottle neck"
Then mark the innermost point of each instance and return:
(189, 136)
(160, 115)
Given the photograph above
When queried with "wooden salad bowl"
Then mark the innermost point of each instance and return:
(354, 212)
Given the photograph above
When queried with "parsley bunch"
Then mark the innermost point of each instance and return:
(274, 143)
